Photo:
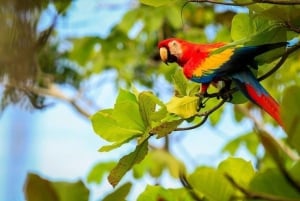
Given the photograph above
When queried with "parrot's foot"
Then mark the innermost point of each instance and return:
(225, 95)
(200, 101)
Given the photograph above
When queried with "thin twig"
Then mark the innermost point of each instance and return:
(205, 116)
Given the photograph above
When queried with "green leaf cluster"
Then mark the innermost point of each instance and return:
(134, 116)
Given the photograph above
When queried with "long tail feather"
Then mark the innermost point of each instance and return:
(255, 92)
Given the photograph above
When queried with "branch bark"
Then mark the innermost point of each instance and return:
(55, 92)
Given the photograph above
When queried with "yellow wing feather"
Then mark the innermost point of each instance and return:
(213, 62)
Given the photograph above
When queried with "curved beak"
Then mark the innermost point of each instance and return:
(163, 52)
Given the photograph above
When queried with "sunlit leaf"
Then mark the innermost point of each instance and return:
(127, 111)
(237, 168)
(151, 108)
(127, 162)
(158, 193)
(184, 107)
(71, 191)
(211, 184)
(241, 27)
(108, 128)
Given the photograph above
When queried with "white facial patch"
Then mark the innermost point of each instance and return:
(175, 48)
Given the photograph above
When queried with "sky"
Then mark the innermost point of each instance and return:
(59, 144)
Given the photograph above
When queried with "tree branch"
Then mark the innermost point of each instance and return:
(52, 91)
(205, 116)
(55, 92)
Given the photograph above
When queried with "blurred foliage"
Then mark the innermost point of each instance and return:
(32, 62)
(26, 54)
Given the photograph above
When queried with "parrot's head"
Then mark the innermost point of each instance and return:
(171, 50)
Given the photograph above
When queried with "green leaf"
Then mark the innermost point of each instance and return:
(126, 104)
(156, 193)
(241, 27)
(151, 108)
(115, 145)
(127, 162)
(67, 191)
(180, 83)
(182, 86)
(156, 162)
(156, 3)
(237, 168)
(119, 194)
(37, 188)
(291, 115)
(184, 107)
(211, 184)
(120, 124)
(165, 127)
(274, 183)
(98, 171)
(105, 124)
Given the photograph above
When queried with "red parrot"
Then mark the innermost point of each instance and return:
(209, 63)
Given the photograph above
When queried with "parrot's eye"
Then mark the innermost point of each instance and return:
(175, 51)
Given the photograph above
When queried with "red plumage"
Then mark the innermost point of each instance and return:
(207, 63)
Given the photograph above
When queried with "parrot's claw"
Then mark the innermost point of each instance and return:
(225, 95)
(200, 101)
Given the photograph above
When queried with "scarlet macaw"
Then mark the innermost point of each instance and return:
(209, 63)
